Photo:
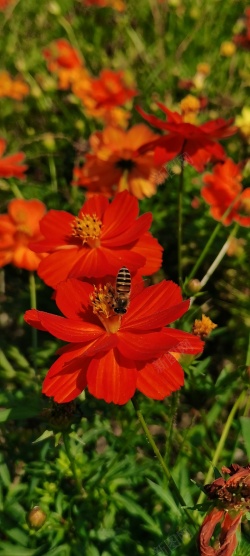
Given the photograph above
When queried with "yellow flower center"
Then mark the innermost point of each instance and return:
(102, 300)
(88, 229)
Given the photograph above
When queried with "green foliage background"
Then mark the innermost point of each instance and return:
(127, 506)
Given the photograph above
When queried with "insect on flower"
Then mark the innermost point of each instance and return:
(122, 291)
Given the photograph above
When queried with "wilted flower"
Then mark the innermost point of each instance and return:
(97, 242)
(10, 166)
(36, 518)
(115, 165)
(224, 189)
(196, 143)
(203, 327)
(110, 354)
(17, 229)
(12, 88)
(233, 501)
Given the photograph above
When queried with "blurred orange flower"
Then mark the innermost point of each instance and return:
(222, 188)
(64, 60)
(12, 88)
(115, 165)
(10, 166)
(17, 229)
(4, 4)
(116, 4)
(100, 95)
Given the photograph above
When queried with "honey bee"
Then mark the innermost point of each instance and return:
(122, 291)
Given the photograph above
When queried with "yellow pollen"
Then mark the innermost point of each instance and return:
(87, 228)
(102, 300)
(203, 327)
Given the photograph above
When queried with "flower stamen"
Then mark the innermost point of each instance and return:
(87, 228)
(102, 300)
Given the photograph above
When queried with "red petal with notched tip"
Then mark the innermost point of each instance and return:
(148, 247)
(65, 329)
(150, 345)
(183, 342)
(161, 377)
(112, 378)
(98, 204)
(72, 298)
(152, 301)
(131, 234)
(66, 379)
(56, 228)
(32, 317)
(55, 267)
(120, 214)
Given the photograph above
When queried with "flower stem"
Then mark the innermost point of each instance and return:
(180, 203)
(66, 441)
(210, 241)
(165, 469)
(221, 443)
(53, 176)
(32, 286)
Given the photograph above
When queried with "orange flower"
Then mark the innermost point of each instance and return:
(66, 62)
(10, 165)
(102, 94)
(115, 4)
(203, 327)
(224, 188)
(115, 165)
(12, 88)
(17, 229)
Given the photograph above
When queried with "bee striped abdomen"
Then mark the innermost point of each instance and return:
(123, 281)
(122, 291)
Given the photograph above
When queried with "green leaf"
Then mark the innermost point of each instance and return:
(46, 434)
(4, 415)
(135, 509)
(245, 429)
(165, 495)
(17, 535)
(5, 475)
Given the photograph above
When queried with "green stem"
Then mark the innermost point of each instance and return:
(52, 169)
(175, 398)
(33, 305)
(15, 190)
(180, 203)
(71, 459)
(221, 443)
(210, 241)
(165, 469)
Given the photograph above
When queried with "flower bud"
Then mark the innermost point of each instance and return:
(36, 518)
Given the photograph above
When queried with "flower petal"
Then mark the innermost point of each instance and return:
(55, 268)
(65, 329)
(161, 377)
(72, 296)
(66, 379)
(155, 307)
(98, 204)
(56, 229)
(112, 378)
(131, 234)
(120, 214)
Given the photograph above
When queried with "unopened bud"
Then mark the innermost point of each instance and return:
(194, 285)
(36, 518)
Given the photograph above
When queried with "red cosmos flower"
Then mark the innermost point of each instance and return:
(116, 4)
(196, 143)
(10, 166)
(101, 239)
(224, 188)
(17, 229)
(114, 355)
(115, 165)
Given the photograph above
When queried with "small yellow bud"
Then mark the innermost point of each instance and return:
(227, 49)
(203, 327)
